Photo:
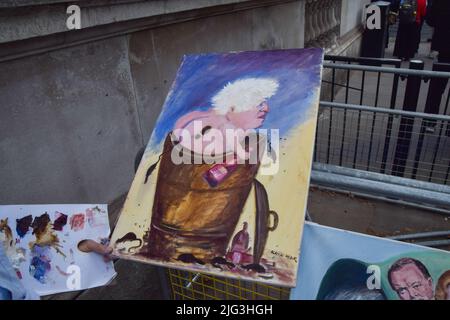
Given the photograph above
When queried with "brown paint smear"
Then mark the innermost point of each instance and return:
(130, 237)
(23, 225)
(42, 229)
(7, 231)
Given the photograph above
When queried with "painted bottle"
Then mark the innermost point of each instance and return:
(219, 172)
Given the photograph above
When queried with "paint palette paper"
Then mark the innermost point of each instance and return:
(223, 183)
(343, 265)
(42, 243)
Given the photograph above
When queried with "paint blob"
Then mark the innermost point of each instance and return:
(40, 263)
(40, 224)
(6, 233)
(16, 256)
(44, 234)
(95, 217)
(60, 221)
(23, 225)
(77, 222)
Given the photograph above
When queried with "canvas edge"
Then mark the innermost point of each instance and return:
(173, 265)
(305, 207)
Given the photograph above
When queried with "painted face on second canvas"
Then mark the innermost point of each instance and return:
(339, 264)
(410, 283)
(443, 287)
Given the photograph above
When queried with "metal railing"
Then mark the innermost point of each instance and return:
(409, 140)
(383, 82)
(396, 142)
(361, 87)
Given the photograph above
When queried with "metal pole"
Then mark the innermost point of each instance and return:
(387, 140)
(406, 124)
(399, 71)
(422, 235)
(356, 107)
(377, 184)
(434, 243)
(194, 279)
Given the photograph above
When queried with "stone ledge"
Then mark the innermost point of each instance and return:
(44, 43)
(20, 21)
(347, 40)
(31, 3)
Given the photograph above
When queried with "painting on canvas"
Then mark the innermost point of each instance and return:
(224, 179)
(343, 265)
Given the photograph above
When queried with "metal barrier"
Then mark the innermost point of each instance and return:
(425, 238)
(382, 82)
(359, 87)
(420, 139)
(401, 143)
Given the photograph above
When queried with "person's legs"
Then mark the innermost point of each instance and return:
(418, 36)
(433, 51)
(414, 40)
(407, 41)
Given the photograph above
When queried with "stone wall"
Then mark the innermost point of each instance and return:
(78, 105)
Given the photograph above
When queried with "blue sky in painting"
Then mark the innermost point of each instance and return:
(200, 77)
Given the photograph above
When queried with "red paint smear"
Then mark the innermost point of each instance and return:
(77, 222)
(62, 272)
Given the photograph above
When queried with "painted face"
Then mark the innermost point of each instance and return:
(411, 284)
(250, 119)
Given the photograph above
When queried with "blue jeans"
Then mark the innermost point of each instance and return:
(5, 294)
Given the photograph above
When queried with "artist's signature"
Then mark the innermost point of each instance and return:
(282, 255)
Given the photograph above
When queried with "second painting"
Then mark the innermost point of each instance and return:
(343, 265)
(223, 183)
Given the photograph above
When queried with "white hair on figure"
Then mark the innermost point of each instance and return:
(244, 94)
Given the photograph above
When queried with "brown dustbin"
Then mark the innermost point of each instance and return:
(191, 217)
